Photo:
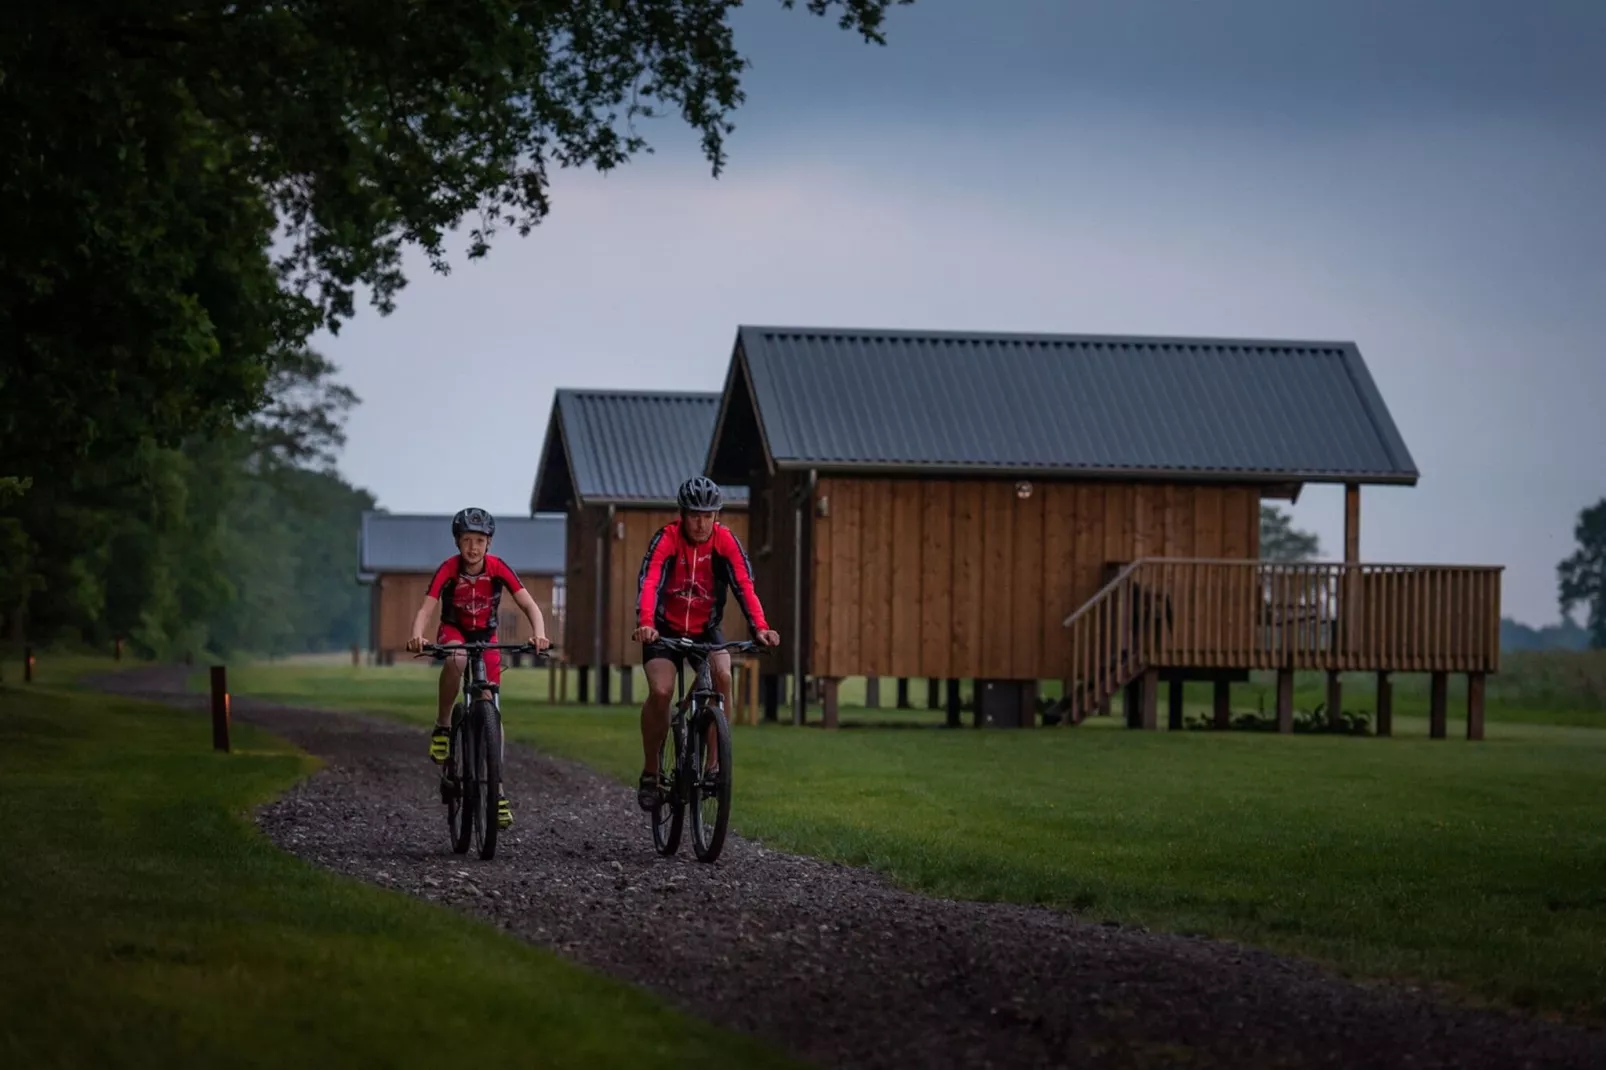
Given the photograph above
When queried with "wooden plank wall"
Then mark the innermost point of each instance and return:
(623, 566)
(580, 593)
(399, 595)
(961, 578)
(773, 567)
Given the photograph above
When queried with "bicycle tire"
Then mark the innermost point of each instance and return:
(708, 841)
(462, 753)
(488, 721)
(669, 815)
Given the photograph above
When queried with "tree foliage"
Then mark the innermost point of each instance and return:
(1581, 578)
(241, 540)
(1281, 541)
(191, 187)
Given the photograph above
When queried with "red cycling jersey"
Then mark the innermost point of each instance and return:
(469, 603)
(682, 586)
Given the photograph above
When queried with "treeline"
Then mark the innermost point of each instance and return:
(239, 541)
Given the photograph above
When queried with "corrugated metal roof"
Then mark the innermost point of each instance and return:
(625, 447)
(937, 401)
(412, 542)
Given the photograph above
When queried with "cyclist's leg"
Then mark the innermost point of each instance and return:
(451, 680)
(719, 667)
(493, 675)
(659, 666)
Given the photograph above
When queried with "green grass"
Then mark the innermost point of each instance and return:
(146, 922)
(1478, 865)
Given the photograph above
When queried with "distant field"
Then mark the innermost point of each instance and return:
(146, 922)
(1476, 864)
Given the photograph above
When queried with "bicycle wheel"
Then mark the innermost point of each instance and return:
(461, 810)
(711, 796)
(668, 815)
(489, 722)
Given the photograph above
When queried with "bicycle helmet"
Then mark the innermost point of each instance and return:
(699, 494)
(471, 519)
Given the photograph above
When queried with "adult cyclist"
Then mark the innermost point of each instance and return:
(468, 589)
(689, 566)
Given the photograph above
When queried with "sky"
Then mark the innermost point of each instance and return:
(1423, 179)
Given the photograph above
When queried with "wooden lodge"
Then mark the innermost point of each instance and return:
(1013, 508)
(612, 462)
(399, 553)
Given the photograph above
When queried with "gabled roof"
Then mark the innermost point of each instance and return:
(937, 402)
(414, 542)
(625, 447)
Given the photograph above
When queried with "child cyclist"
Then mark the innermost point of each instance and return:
(468, 588)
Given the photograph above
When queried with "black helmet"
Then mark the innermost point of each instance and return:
(473, 520)
(699, 494)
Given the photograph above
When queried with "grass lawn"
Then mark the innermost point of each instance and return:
(1482, 865)
(146, 922)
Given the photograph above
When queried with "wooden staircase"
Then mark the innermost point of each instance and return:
(1106, 655)
(1206, 616)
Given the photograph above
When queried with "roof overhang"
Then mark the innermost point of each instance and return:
(868, 469)
(738, 371)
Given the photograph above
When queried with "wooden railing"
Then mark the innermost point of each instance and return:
(1185, 613)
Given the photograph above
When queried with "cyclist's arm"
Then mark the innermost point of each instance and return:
(742, 579)
(526, 602)
(650, 581)
(432, 598)
(425, 611)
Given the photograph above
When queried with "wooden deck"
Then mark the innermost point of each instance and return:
(1196, 614)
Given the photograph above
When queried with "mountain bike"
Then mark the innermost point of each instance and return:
(686, 785)
(471, 775)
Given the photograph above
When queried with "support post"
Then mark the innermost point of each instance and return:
(583, 686)
(1335, 699)
(828, 689)
(562, 668)
(751, 677)
(220, 708)
(1285, 700)
(1475, 688)
(1132, 703)
(770, 684)
(953, 703)
(551, 682)
(903, 692)
(604, 678)
(1174, 705)
(933, 694)
(1223, 705)
(1438, 705)
(1350, 609)
(1151, 700)
(627, 684)
(356, 653)
(1385, 705)
(872, 692)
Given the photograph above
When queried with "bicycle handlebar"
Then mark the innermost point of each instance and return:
(448, 648)
(744, 646)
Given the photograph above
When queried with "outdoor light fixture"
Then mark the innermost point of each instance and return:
(1023, 490)
(619, 531)
(822, 505)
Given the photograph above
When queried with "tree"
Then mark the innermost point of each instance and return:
(189, 186)
(1281, 541)
(1581, 578)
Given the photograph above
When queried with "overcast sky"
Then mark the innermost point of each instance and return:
(1421, 178)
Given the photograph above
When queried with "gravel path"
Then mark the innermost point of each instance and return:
(829, 962)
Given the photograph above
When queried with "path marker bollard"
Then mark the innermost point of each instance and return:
(220, 708)
(27, 664)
